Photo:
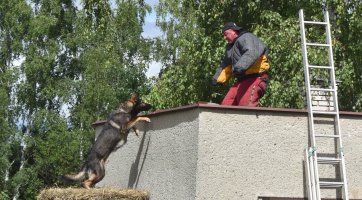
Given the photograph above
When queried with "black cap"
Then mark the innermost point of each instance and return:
(230, 25)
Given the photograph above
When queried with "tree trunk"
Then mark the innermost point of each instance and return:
(17, 193)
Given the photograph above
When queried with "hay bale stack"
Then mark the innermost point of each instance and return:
(93, 194)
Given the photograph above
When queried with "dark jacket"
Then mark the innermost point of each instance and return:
(247, 55)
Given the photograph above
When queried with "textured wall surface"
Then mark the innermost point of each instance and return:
(162, 161)
(244, 154)
(206, 152)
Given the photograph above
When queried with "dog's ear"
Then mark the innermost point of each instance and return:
(134, 97)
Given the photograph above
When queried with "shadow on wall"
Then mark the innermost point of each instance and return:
(134, 173)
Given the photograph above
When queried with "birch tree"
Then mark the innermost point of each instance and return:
(90, 60)
(14, 23)
(42, 82)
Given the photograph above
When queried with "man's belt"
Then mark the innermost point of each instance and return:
(260, 74)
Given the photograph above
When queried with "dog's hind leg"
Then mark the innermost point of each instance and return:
(123, 140)
(88, 183)
(136, 130)
(96, 174)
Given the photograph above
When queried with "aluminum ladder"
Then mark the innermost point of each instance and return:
(311, 154)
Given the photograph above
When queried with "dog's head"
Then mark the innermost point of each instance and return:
(135, 105)
(139, 105)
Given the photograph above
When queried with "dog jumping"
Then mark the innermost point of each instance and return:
(113, 136)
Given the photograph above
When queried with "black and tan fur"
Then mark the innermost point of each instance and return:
(112, 137)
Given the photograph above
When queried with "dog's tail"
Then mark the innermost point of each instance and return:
(72, 178)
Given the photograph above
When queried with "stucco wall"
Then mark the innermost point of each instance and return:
(244, 154)
(162, 161)
(248, 153)
(215, 152)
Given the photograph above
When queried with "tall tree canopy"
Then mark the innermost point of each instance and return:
(86, 60)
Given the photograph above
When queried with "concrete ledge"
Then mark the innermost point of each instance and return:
(208, 151)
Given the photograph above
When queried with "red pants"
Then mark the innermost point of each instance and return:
(246, 92)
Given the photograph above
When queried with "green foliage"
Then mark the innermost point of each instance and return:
(285, 58)
(348, 55)
(14, 17)
(113, 57)
(193, 49)
(52, 144)
(4, 139)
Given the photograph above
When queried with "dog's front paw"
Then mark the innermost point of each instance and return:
(147, 119)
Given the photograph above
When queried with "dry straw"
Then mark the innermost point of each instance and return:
(92, 194)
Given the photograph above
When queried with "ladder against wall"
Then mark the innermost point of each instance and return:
(314, 159)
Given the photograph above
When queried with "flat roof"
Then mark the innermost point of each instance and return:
(204, 104)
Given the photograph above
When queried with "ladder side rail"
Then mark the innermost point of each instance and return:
(333, 81)
(344, 177)
(315, 185)
(331, 63)
(316, 175)
(306, 75)
(335, 99)
(314, 164)
(309, 176)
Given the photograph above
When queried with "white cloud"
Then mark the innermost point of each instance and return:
(65, 110)
(18, 61)
(154, 69)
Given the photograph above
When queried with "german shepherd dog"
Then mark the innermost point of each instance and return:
(113, 136)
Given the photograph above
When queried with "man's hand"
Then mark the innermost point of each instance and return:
(239, 75)
(217, 84)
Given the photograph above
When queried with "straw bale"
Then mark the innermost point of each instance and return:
(92, 194)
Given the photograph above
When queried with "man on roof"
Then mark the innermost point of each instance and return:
(246, 58)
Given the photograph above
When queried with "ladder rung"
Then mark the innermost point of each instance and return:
(330, 184)
(322, 89)
(320, 67)
(319, 23)
(318, 45)
(324, 112)
(325, 135)
(322, 160)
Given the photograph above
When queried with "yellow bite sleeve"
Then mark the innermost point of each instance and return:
(225, 75)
